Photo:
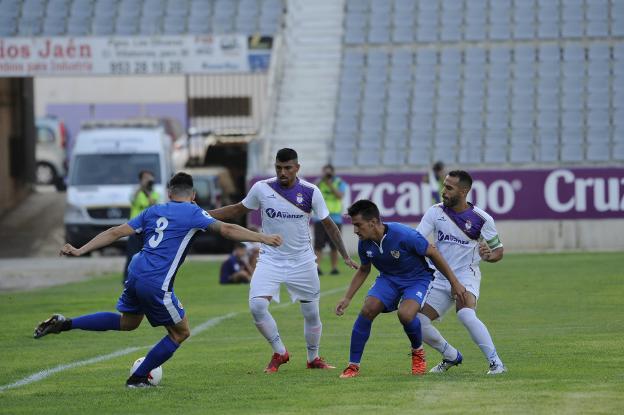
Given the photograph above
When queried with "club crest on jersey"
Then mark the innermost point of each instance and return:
(395, 254)
(468, 225)
(299, 198)
(369, 254)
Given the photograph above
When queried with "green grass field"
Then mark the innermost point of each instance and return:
(557, 321)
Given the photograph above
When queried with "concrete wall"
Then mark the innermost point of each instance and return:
(17, 140)
(546, 236)
(100, 89)
(148, 96)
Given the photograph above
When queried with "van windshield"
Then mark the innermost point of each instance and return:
(103, 169)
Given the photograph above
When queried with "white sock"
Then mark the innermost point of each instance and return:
(266, 324)
(312, 328)
(479, 333)
(433, 338)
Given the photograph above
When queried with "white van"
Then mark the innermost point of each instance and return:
(103, 174)
(50, 151)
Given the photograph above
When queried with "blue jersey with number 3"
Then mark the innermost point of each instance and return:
(168, 230)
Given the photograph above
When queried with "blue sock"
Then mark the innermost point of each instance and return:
(97, 322)
(414, 332)
(359, 337)
(159, 354)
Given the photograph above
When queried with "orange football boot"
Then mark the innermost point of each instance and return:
(419, 364)
(350, 372)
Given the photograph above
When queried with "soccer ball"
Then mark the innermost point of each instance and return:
(153, 377)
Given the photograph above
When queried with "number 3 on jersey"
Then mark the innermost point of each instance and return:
(161, 225)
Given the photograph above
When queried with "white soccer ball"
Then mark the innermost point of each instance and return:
(153, 377)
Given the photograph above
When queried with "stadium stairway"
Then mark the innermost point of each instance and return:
(306, 96)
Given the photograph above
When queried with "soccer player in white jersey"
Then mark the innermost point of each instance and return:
(464, 234)
(286, 204)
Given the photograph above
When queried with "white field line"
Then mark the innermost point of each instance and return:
(36, 377)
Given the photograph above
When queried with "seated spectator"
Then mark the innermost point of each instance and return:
(235, 269)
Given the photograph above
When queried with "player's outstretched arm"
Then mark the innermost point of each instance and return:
(356, 282)
(490, 255)
(457, 289)
(334, 234)
(240, 234)
(229, 212)
(100, 241)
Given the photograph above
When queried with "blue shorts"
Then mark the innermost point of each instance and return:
(161, 308)
(391, 291)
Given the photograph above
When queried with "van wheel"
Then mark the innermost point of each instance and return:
(45, 173)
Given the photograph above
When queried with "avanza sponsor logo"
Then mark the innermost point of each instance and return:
(272, 213)
(450, 238)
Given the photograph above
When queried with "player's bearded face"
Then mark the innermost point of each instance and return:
(286, 172)
(449, 201)
(451, 192)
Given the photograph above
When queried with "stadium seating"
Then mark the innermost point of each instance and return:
(139, 17)
(481, 82)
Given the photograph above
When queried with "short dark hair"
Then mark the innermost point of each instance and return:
(329, 166)
(365, 208)
(181, 184)
(438, 166)
(144, 172)
(464, 177)
(286, 154)
(238, 245)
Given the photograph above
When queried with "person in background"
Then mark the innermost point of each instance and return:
(235, 269)
(333, 189)
(144, 197)
(435, 178)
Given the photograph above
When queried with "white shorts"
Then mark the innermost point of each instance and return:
(299, 275)
(439, 294)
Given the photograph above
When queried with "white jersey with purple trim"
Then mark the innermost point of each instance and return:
(287, 212)
(457, 236)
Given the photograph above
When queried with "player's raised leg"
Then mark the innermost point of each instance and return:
(411, 324)
(360, 334)
(480, 335)
(160, 353)
(259, 307)
(102, 321)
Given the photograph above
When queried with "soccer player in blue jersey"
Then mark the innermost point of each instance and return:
(168, 231)
(398, 252)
